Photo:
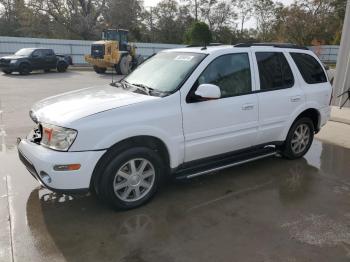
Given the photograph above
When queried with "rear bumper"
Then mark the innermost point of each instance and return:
(40, 161)
(325, 115)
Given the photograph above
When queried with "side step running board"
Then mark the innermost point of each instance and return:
(230, 165)
(206, 166)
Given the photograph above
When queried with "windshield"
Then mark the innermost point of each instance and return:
(24, 52)
(165, 71)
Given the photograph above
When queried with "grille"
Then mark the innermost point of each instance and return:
(35, 135)
(4, 61)
(97, 51)
(27, 164)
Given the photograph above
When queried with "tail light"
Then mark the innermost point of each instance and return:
(331, 99)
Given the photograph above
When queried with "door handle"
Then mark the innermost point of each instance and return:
(247, 107)
(295, 98)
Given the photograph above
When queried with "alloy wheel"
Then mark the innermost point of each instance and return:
(134, 180)
(300, 138)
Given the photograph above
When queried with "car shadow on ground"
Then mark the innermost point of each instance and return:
(41, 74)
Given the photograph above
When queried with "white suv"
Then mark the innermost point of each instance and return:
(184, 112)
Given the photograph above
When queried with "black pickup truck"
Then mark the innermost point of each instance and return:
(28, 59)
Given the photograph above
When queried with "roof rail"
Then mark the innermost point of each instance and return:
(210, 44)
(279, 45)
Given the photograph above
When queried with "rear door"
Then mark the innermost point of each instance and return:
(317, 88)
(226, 124)
(279, 94)
(37, 59)
(49, 59)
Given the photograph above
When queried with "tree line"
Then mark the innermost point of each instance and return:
(303, 22)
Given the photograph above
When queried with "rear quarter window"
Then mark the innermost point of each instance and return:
(310, 69)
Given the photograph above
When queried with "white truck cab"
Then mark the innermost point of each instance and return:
(183, 112)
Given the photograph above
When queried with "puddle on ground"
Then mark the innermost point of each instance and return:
(283, 210)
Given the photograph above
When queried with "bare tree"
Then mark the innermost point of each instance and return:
(244, 10)
(265, 13)
(77, 16)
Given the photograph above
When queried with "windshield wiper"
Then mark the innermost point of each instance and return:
(144, 88)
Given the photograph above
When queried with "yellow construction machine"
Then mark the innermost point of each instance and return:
(114, 51)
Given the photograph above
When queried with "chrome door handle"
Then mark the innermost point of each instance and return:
(295, 98)
(247, 107)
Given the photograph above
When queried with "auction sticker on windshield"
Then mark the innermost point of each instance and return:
(184, 57)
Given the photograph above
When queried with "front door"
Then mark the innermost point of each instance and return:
(37, 59)
(226, 124)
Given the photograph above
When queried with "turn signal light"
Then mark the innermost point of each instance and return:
(70, 167)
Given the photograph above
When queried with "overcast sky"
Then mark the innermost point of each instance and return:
(249, 24)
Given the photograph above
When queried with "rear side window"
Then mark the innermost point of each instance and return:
(310, 68)
(49, 52)
(274, 71)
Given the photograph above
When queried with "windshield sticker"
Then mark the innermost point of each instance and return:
(184, 57)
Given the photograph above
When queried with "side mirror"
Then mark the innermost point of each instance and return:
(208, 91)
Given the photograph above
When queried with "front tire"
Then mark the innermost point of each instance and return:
(299, 138)
(100, 70)
(24, 69)
(7, 72)
(131, 178)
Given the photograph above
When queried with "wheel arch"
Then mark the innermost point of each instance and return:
(152, 142)
(24, 62)
(61, 61)
(312, 113)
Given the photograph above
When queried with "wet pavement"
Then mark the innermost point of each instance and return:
(269, 210)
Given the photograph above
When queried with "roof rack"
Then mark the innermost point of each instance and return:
(210, 44)
(279, 45)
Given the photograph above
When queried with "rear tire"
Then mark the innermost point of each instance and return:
(62, 67)
(125, 65)
(24, 69)
(299, 138)
(100, 70)
(131, 178)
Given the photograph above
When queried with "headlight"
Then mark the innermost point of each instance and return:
(13, 61)
(58, 138)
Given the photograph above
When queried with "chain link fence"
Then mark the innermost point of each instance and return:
(75, 48)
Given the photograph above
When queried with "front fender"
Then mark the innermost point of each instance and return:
(174, 145)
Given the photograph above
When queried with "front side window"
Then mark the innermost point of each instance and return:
(274, 71)
(165, 71)
(231, 73)
(38, 53)
(309, 68)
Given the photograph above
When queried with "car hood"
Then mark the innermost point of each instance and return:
(9, 57)
(67, 107)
